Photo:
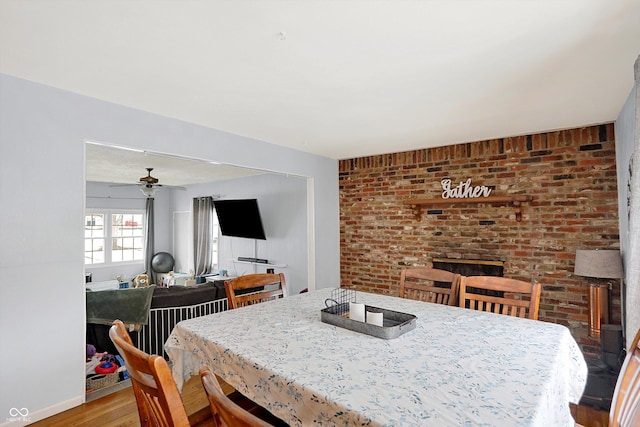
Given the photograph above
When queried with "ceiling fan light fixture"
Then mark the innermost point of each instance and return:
(148, 191)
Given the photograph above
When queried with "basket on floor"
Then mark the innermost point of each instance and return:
(98, 381)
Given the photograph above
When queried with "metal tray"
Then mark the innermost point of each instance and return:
(394, 323)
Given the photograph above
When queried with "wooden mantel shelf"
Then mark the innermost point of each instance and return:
(515, 201)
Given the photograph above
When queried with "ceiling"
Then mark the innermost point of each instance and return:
(340, 79)
(106, 163)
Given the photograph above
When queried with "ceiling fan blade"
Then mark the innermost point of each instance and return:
(173, 187)
(124, 185)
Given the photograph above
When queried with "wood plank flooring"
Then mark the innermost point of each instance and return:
(119, 410)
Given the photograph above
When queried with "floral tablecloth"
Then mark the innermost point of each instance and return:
(458, 367)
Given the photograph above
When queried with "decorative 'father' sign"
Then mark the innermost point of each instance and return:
(463, 190)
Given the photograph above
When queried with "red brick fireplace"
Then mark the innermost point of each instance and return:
(569, 175)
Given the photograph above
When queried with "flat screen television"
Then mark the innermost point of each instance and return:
(239, 218)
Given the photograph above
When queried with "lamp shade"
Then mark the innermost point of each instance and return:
(603, 264)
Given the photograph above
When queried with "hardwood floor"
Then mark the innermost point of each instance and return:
(119, 409)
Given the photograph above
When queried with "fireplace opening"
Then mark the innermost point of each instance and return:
(472, 267)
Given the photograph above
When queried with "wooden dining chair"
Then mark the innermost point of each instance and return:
(521, 299)
(157, 396)
(420, 284)
(268, 287)
(228, 413)
(625, 405)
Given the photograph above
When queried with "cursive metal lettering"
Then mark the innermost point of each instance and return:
(463, 190)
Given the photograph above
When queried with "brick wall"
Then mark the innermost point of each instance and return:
(570, 174)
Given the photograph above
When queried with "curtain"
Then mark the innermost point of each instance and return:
(202, 234)
(149, 230)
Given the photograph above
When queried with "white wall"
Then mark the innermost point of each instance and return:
(42, 180)
(283, 206)
(628, 147)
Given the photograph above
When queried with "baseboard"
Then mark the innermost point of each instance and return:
(32, 417)
(40, 415)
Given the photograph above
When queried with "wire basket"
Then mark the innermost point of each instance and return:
(339, 301)
(98, 381)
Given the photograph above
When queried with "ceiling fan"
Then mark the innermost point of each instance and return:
(149, 184)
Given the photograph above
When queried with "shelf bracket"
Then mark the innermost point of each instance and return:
(417, 211)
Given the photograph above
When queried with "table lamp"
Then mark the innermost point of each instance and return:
(599, 264)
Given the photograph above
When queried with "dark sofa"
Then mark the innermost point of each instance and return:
(179, 296)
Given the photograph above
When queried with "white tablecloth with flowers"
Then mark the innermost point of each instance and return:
(458, 367)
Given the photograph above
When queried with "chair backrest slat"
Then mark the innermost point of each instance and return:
(273, 287)
(420, 284)
(520, 299)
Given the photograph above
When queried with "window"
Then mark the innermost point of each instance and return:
(94, 239)
(113, 237)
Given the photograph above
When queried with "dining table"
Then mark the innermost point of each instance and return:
(456, 367)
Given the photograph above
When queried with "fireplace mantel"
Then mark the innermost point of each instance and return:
(515, 201)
